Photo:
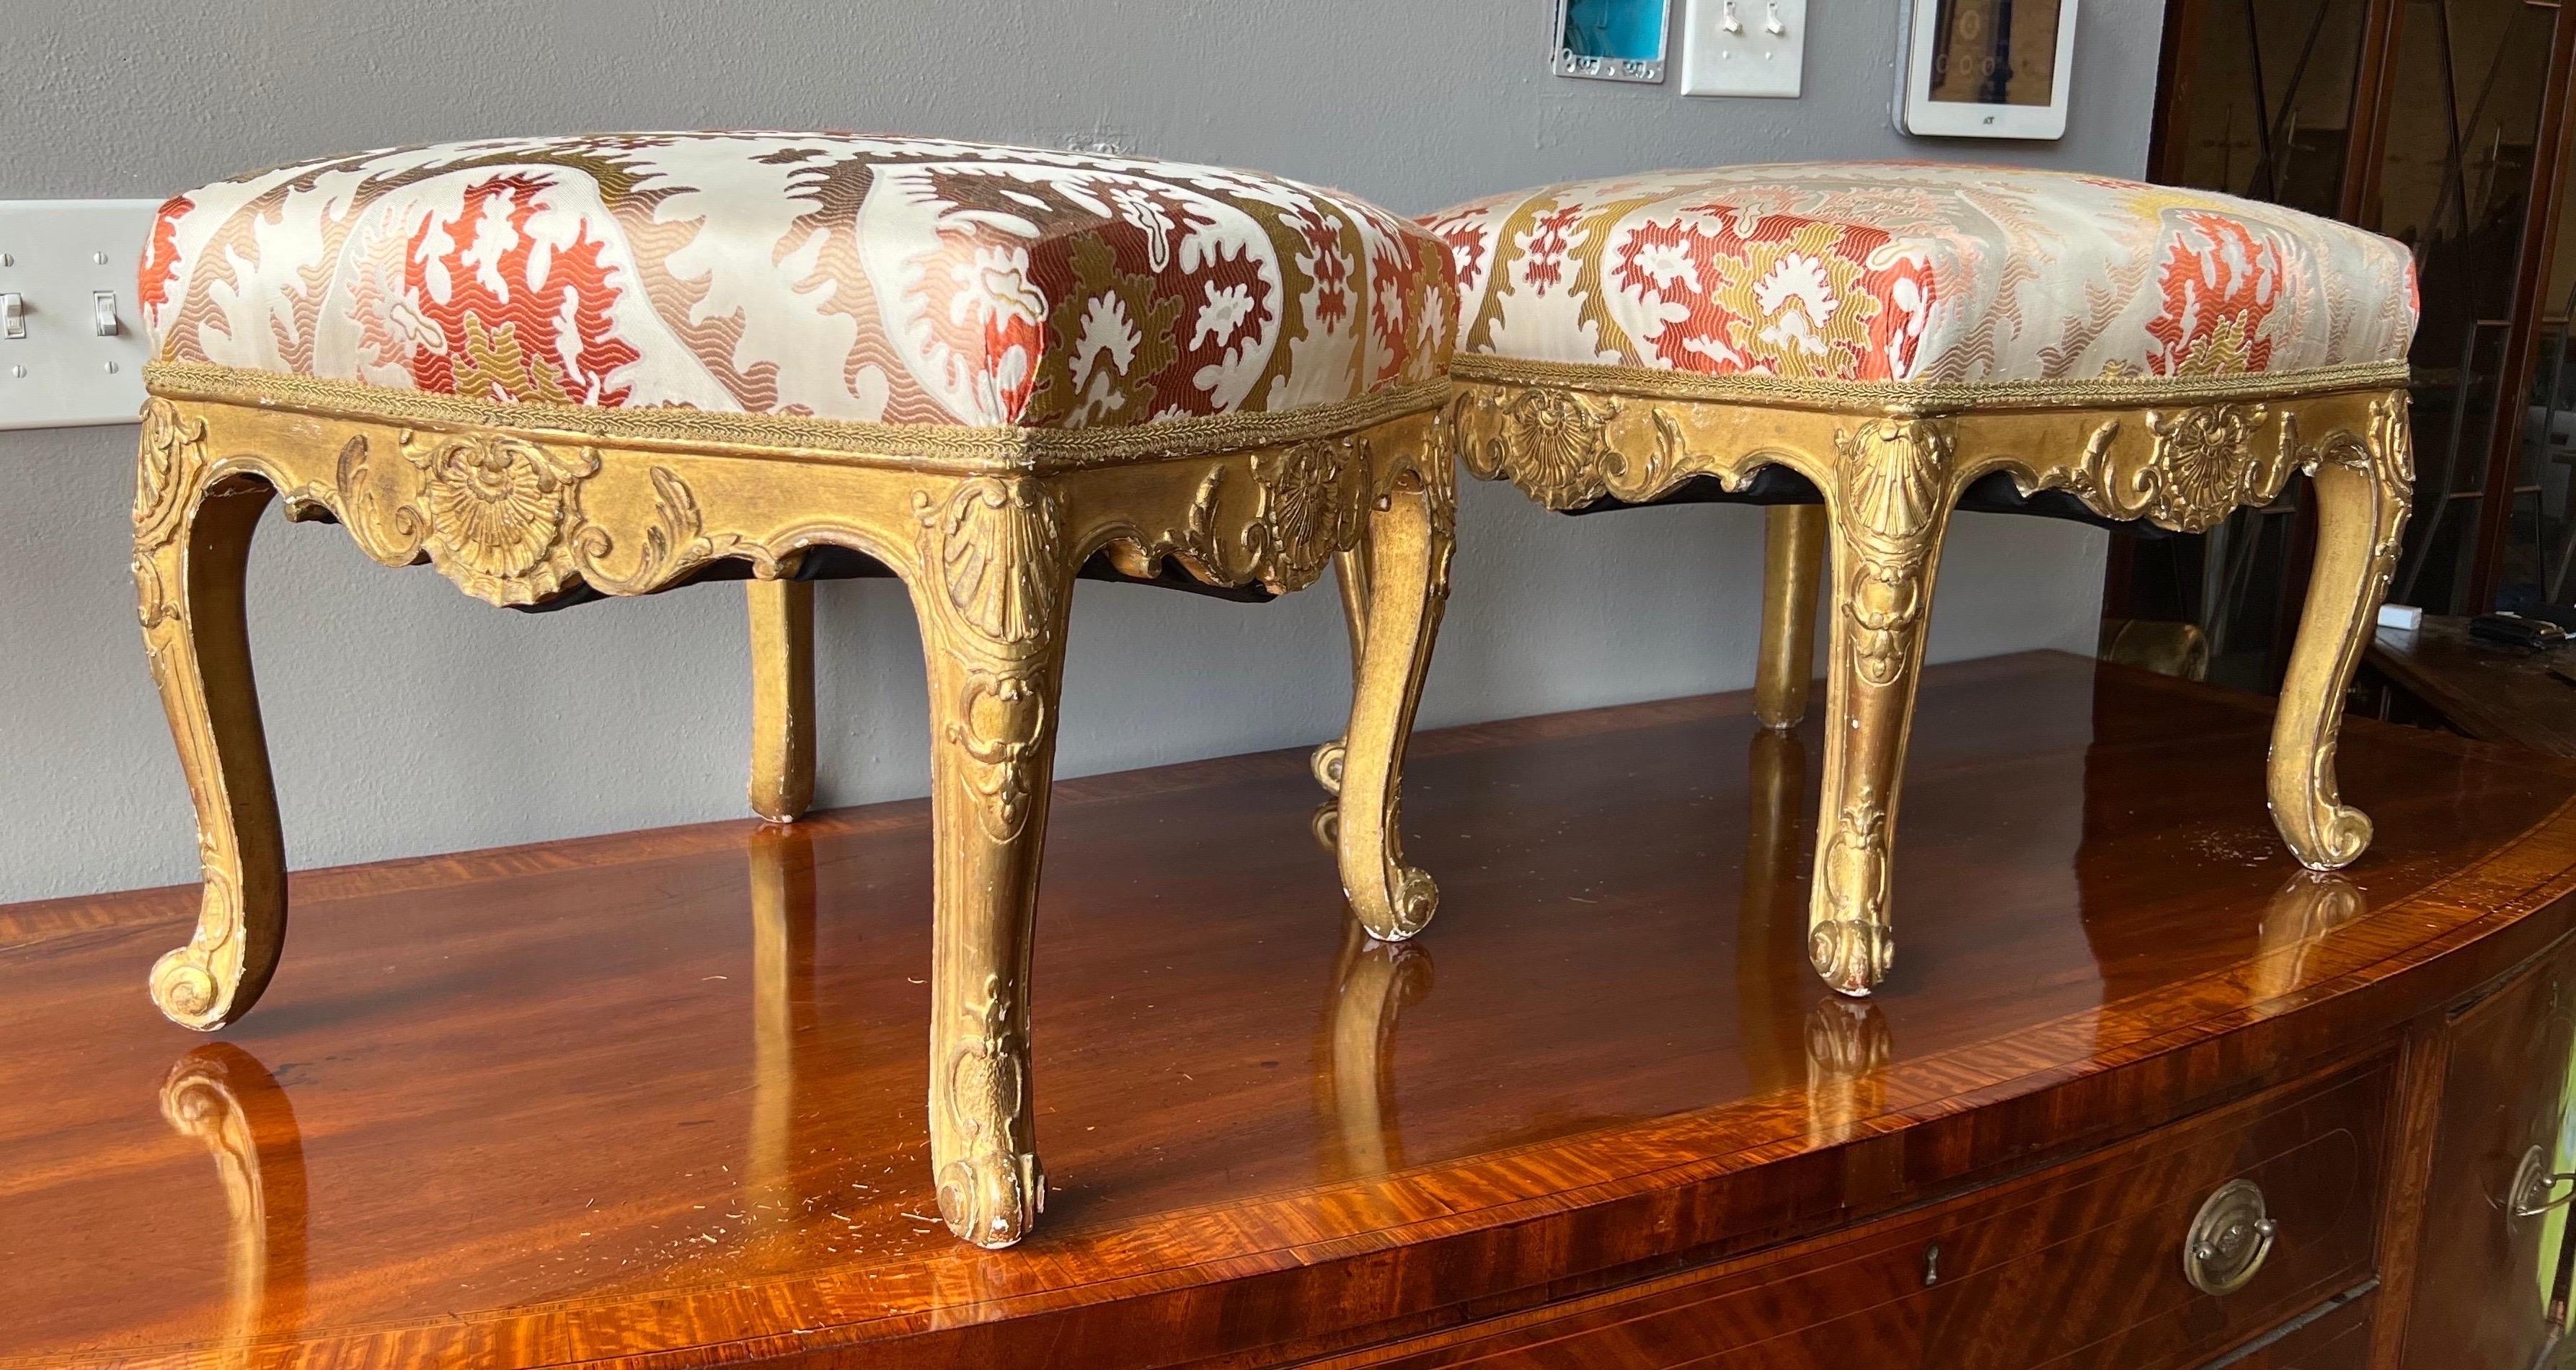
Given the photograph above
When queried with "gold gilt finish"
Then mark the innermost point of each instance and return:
(782, 698)
(1891, 471)
(987, 530)
(1793, 555)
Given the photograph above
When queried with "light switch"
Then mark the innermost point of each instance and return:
(1744, 47)
(71, 345)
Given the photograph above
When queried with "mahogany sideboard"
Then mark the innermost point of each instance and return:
(653, 1099)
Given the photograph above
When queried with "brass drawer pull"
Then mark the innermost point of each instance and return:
(2531, 1185)
(2228, 1240)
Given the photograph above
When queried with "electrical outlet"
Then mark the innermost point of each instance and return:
(1744, 47)
(71, 334)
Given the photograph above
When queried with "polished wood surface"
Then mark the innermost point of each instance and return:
(656, 1098)
(2494, 694)
(2069, 1262)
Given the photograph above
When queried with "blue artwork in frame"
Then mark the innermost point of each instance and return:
(1611, 40)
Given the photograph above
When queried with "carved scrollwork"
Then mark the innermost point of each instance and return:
(153, 604)
(2385, 452)
(170, 474)
(991, 1188)
(169, 466)
(1852, 950)
(392, 534)
(1310, 501)
(185, 980)
(999, 724)
(1893, 484)
(675, 544)
(1885, 603)
(504, 517)
(1440, 493)
(1666, 463)
(993, 549)
(2202, 464)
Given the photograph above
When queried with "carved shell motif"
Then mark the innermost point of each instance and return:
(996, 544)
(2203, 467)
(497, 508)
(1312, 497)
(1892, 474)
(1556, 445)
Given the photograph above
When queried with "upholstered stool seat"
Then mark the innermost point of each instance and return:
(566, 367)
(1892, 339)
(879, 280)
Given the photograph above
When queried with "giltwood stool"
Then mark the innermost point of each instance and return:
(563, 368)
(1894, 339)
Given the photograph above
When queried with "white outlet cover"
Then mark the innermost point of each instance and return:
(59, 257)
(1752, 61)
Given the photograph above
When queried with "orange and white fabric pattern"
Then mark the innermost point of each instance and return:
(1916, 272)
(877, 279)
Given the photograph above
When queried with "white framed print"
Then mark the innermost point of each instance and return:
(1987, 68)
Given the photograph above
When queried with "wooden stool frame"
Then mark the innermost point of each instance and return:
(1891, 462)
(986, 528)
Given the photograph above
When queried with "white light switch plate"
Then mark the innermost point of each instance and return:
(64, 260)
(1750, 59)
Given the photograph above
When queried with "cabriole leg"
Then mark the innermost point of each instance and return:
(1350, 573)
(991, 592)
(1890, 505)
(782, 697)
(1793, 548)
(188, 565)
(2364, 487)
(1407, 561)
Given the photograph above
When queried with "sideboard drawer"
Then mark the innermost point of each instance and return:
(2332, 1338)
(2081, 1264)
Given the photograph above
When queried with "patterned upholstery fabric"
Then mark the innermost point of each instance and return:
(1916, 272)
(882, 279)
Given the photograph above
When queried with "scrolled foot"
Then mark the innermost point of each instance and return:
(2334, 842)
(1412, 896)
(185, 990)
(1847, 1038)
(1327, 765)
(993, 1199)
(1326, 825)
(1853, 956)
(1407, 546)
(199, 985)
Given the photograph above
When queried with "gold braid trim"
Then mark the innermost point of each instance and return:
(917, 446)
(1923, 398)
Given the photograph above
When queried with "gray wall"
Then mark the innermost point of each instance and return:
(406, 718)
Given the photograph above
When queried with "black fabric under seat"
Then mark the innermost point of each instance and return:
(1992, 493)
(843, 563)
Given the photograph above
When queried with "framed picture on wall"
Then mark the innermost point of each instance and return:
(1610, 40)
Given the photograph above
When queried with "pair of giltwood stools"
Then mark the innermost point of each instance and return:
(562, 368)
